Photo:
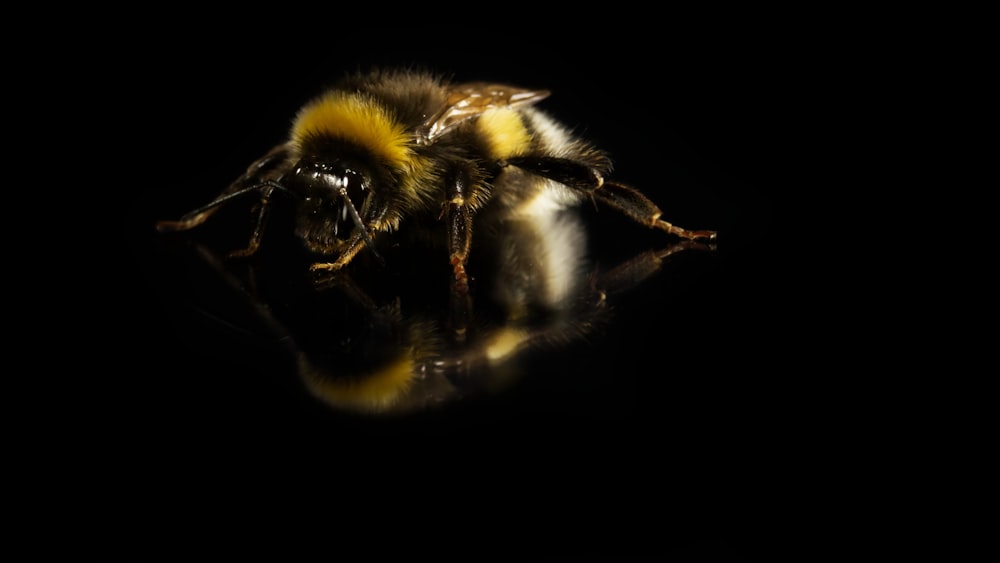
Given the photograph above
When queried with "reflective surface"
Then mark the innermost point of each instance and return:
(657, 362)
(377, 337)
(708, 384)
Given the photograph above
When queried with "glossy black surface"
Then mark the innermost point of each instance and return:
(695, 395)
(675, 312)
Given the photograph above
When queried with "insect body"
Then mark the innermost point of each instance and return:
(384, 148)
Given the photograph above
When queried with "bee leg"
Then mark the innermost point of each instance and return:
(637, 269)
(359, 239)
(199, 216)
(458, 220)
(639, 208)
(202, 214)
(189, 221)
(627, 200)
(258, 230)
(354, 245)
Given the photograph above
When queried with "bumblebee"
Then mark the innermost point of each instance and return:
(385, 148)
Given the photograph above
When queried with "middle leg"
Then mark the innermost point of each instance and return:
(457, 210)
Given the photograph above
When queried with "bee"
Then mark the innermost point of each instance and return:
(389, 147)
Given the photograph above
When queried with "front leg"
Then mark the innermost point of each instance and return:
(362, 237)
(199, 216)
(260, 177)
(350, 250)
(258, 231)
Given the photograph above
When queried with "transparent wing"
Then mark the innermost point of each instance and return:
(470, 99)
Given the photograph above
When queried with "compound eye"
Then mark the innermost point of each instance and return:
(348, 179)
(352, 184)
(346, 196)
(336, 177)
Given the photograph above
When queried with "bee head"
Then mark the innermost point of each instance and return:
(335, 200)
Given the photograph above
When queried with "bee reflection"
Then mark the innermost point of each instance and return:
(376, 337)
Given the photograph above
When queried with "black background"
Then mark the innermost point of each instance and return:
(707, 403)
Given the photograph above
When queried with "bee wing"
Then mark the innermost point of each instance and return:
(465, 101)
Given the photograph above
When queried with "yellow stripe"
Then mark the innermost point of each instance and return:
(504, 132)
(370, 391)
(356, 119)
(504, 343)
